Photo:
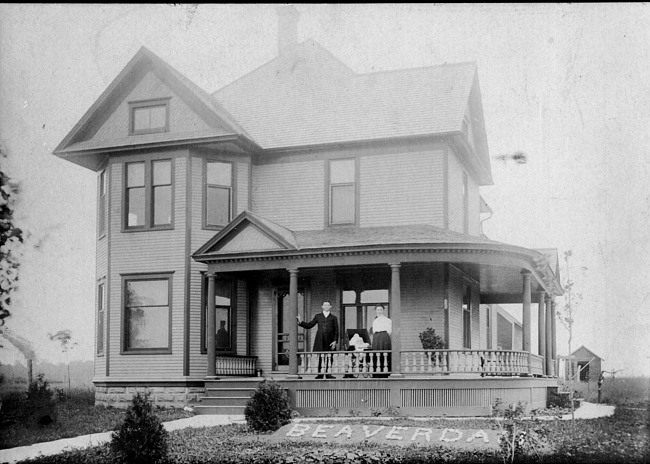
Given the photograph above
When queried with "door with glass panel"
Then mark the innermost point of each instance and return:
(282, 326)
(359, 308)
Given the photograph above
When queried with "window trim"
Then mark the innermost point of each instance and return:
(100, 329)
(102, 198)
(328, 193)
(232, 316)
(124, 350)
(232, 188)
(148, 196)
(135, 105)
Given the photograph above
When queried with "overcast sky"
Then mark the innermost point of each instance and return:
(569, 85)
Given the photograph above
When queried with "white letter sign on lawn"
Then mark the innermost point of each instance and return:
(458, 436)
(470, 439)
(479, 434)
(366, 430)
(426, 433)
(298, 430)
(345, 430)
(320, 431)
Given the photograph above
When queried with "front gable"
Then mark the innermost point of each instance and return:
(181, 118)
(247, 233)
(191, 114)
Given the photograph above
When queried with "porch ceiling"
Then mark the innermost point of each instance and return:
(500, 284)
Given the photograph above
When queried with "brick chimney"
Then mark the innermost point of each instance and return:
(287, 28)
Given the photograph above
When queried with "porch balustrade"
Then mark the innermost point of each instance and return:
(422, 362)
(353, 363)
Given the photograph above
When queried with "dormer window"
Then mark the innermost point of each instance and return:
(149, 117)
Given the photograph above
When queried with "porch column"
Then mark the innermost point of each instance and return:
(526, 310)
(541, 329)
(553, 332)
(293, 327)
(212, 326)
(549, 337)
(395, 316)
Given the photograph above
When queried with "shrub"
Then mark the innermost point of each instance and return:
(431, 341)
(269, 408)
(40, 401)
(141, 438)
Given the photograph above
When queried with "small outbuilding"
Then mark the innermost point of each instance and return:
(586, 366)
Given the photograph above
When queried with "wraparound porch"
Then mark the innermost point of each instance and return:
(455, 395)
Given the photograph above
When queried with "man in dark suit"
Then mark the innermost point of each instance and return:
(326, 335)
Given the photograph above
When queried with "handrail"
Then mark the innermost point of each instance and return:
(348, 363)
(440, 362)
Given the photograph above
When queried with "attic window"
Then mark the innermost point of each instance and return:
(148, 117)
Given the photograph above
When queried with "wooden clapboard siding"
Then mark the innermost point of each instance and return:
(101, 273)
(261, 328)
(160, 251)
(422, 293)
(323, 287)
(457, 283)
(242, 185)
(455, 194)
(401, 189)
(455, 197)
(181, 117)
(290, 194)
(242, 317)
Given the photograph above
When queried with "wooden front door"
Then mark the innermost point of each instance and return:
(281, 326)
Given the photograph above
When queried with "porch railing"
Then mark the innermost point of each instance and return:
(484, 362)
(347, 363)
(368, 363)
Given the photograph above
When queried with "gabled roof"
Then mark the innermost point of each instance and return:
(308, 97)
(79, 147)
(588, 350)
(254, 233)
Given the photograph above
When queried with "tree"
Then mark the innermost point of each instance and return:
(11, 241)
(567, 316)
(64, 337)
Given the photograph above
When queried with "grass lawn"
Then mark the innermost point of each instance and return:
(77, 415)
(622, 438)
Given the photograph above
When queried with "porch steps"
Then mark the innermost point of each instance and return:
(227, 397)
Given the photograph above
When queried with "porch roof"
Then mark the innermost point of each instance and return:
(253, 243)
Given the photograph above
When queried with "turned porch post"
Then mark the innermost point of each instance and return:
(526, 310)
(293, 327)
(212, 326)
(549, 338)
(541, 330)
(395, 316)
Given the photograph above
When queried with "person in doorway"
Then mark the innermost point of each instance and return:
(381, 329)
(326, 336)
(223, 337)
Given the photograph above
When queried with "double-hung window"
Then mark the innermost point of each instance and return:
(218, 194)
(148, 194)
(225, 326)
(149, 117)
(147, 313)
(101, 317)
(342, 192)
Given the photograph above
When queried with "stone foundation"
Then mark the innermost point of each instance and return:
(164, 397)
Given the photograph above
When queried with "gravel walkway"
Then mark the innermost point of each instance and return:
(21, 453)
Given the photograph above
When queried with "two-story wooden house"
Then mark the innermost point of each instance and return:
(223, 217)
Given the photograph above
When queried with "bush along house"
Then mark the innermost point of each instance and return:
(223, 217)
